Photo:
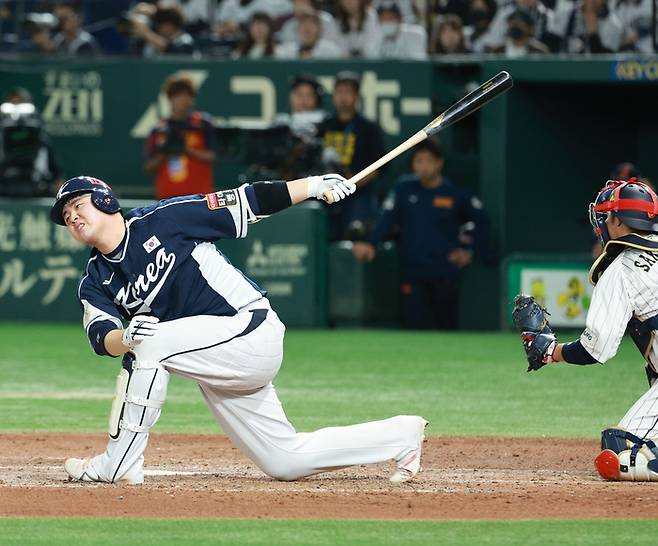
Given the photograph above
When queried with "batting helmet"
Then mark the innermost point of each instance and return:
(101, 196)
(633, 202)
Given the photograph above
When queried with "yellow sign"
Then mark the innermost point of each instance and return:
(636, 70)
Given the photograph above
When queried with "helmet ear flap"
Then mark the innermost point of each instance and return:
(105, 201)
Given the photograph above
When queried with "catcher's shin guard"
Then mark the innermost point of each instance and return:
(638, 467)
(627, 457)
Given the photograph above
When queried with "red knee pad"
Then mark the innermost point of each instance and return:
(607, 464)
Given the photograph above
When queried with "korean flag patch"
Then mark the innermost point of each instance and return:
(221, 199)
(151, 244)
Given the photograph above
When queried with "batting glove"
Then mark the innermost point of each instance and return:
(140, 328)
(338, 185)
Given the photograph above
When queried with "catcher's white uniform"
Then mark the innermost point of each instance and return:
(627, 289)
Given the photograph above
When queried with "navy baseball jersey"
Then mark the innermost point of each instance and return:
(428, 223)
(167, 265)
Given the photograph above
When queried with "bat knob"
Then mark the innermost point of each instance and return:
(327, 197)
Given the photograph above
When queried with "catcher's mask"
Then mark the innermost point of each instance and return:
(101, 196)
(633, 202)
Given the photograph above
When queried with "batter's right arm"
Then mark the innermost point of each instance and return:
(316, 186)
(266, 198)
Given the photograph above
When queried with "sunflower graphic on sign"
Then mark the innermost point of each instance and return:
(574, 300)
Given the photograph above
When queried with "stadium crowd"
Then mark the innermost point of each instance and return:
(315, 29)
(424, 209)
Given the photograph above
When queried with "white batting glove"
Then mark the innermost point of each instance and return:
(140, 328)
(338, 185)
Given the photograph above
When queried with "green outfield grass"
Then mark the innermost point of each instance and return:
(464, 383)
(101, 532)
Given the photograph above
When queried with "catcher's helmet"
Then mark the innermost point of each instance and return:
(101, 196)
(633, 202)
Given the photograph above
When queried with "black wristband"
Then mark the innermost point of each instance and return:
(575, 353)
(271, 196)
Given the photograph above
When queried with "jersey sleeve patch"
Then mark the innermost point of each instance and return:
(221, 199)
(443, 202)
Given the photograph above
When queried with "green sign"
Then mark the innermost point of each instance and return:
(100, 112)
(286, 255)
(40, 264)
(561, 286)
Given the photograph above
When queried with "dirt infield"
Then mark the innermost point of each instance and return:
(204, 476)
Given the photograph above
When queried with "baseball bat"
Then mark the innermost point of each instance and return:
(465, 106)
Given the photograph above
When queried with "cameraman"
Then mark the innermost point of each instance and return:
(304, 146)
(28, 167)
(180, 150)
(40, 27)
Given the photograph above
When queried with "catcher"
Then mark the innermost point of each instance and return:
(625, 217)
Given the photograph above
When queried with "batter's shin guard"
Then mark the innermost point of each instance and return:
(141, 389)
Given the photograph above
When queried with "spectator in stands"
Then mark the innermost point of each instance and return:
(496, 34)
(588, 26)
(258, 42)
(180, 151)
(72, 39)
(289, 30)
(448, 36)
(460, 8)
(236, 13)
(358, 26)
(198, 15)
(355, 142)
(427, 211)
(166, 35)
(520, 37)
(309, 44)
(406, 8)
(478, 18)
(400, 40)
(637, 22)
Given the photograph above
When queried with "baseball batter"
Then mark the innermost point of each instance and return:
(190, 312)
(625, 216)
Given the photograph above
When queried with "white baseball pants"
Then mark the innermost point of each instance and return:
(642, 418)
(234, 360)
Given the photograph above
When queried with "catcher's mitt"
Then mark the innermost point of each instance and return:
(538, 338)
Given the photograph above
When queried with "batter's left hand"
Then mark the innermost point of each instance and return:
(140, 328)
(338, 185)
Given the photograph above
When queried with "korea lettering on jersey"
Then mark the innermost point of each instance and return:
(627, 288)
(167, 265)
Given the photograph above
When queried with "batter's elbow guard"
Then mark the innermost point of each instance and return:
(270, 197)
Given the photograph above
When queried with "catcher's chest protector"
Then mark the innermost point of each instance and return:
(615, 247)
